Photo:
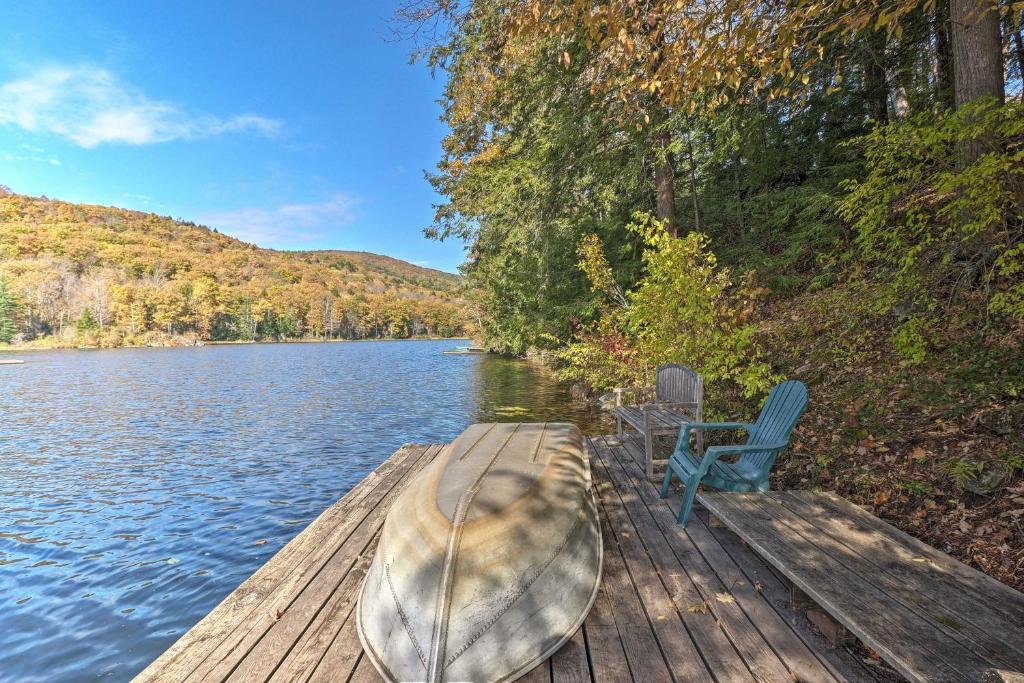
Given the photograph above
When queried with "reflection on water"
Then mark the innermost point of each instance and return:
(139, 487)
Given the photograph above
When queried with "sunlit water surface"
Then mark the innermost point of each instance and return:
(139, 487)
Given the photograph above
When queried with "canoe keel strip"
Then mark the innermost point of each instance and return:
(488, 562)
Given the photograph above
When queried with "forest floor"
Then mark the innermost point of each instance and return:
(936, 449)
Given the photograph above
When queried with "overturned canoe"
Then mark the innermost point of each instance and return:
(488, 562)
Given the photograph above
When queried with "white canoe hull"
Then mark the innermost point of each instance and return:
(488, 562)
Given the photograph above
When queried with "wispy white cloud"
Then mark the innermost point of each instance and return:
(37, 154)
(285, 225)
(90, 106)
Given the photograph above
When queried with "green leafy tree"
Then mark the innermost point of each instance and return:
(685, 309)
(86, 323)
(7, 307)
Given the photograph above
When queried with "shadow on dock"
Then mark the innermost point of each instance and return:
(675, 604)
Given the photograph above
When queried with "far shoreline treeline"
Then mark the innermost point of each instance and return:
(49, 344)
(91, 276)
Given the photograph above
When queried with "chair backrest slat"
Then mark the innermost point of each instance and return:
(782, 409)
(679, 384)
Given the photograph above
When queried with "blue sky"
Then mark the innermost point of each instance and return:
(294, 125)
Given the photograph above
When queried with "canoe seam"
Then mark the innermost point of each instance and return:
(402, 615)
(529, 666)
(520, 593)
(442, 606)
(477, 442)
(540, 442)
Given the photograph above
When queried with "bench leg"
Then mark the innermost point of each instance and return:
(834, 632)
(649, 450)
(618, 426)
(688, 495)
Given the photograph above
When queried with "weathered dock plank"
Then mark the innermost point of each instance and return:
(736, 602)
(929, 616)
(672, 606)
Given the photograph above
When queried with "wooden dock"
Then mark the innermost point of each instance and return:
(929, 616)
(675, 605)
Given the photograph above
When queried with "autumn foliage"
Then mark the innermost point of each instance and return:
(95, 275)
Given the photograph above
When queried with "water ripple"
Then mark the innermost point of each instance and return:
(139, 487)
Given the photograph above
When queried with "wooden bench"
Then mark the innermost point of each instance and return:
(676, 399)
(929, 616)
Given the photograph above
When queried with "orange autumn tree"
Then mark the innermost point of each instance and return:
(698, 53)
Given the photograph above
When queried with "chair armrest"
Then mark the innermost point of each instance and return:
(684, 431)
(713, 453)
(621, 391)
(746, 448)
(720, 425)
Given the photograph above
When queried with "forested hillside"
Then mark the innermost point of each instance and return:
(829, 191)
(91, 275)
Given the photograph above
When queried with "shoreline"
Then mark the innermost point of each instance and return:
(27, 348)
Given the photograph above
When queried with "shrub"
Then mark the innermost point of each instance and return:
(931, 225)
(685, 309)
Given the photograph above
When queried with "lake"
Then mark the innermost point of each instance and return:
(138, 487)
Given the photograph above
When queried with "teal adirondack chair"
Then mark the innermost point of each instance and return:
(765, 438)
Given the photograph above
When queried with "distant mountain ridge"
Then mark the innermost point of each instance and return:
(79, 273)
(387, 265)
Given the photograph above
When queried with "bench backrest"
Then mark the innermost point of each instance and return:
(782, 409)
(679, 384)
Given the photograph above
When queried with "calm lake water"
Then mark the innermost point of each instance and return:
(139, 487)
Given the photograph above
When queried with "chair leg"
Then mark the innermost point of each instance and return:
(618, 426)
(688, 495)
(667, 482)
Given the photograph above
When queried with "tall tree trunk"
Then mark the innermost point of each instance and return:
(977, 51)
(944, 87)
(977, 74)
(977, 60)
(665, 181)
(875, 90)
